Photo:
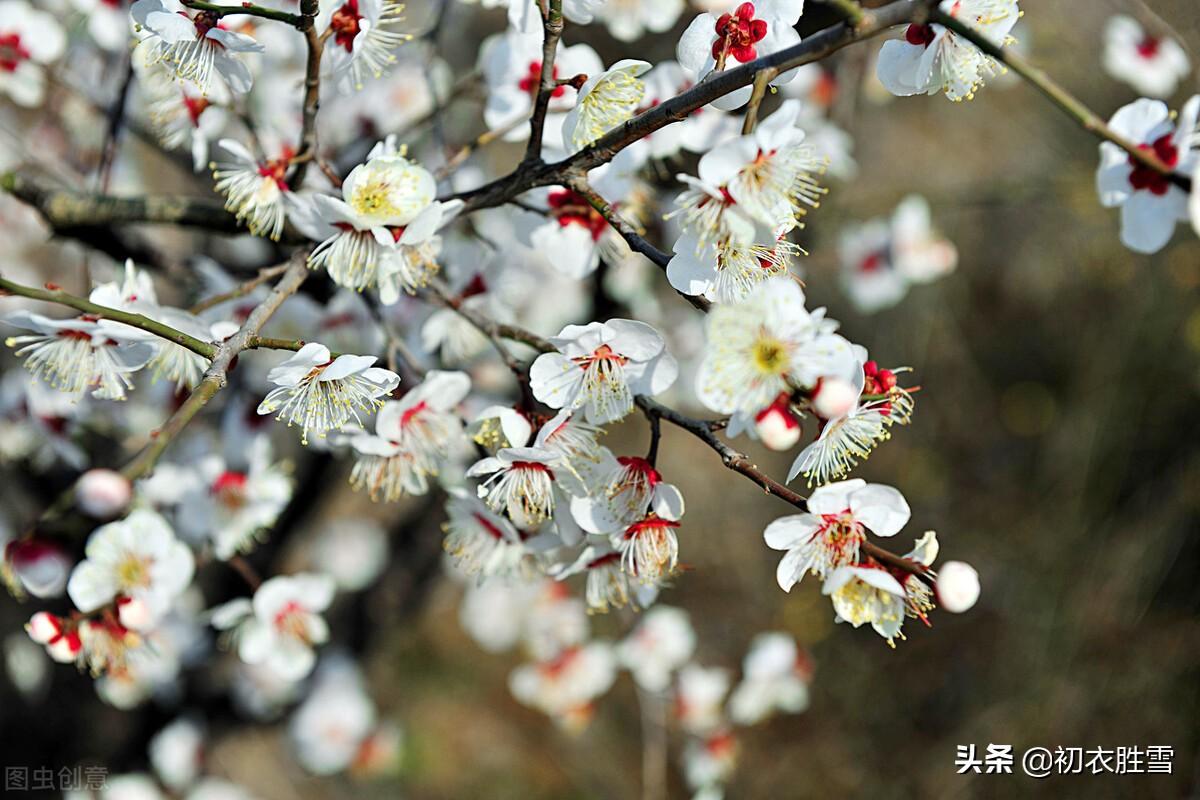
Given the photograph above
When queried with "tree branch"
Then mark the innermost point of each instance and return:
(552, 28)
(312, 90)
(247, 9)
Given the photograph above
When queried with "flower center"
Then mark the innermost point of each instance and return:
(489, 526)
(205, 21)
(1148, 47)
(277, 168)
(872, 263)
(1143, 177)
(572, 208)
(532, 79)
(230, 489)
(919, 35)
(195, 107)
(345, 24)
(291, 621)
(533, 466)
(12, 53)
(133, 572)
(770, 355)
(737, 34)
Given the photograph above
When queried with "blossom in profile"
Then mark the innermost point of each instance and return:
(565, 686)
(1150, 203)
(321, 393)
(600, 367)
(30, 40)
(72, 355)
(137, 560)
(868, 594)
(520, 483)
(363, 38)
(282, 625)
(930, 58)
(256, 190)
(700, 697)
(605, 101)
(195, 48)
(1152, 64)
(830, 533)
(481, 543)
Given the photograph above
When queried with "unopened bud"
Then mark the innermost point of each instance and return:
(134, 614)
(834, 398)
(42, 567)
(957, 586)
(65, 648)
(43, 627)
(777, 426)
(103, 493)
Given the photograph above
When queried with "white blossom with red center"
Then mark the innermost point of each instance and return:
(481, 543)
(331, 730)
(233, 505)
(72, 355)
(662, 642)
(282, 625)
(511, 63)
(521, 483)
(321, 393)
(728, 270)
(606, 584)
(649, 547)
(600, 367)
(627, 489)
(566, 685)
(713, 43)
(255, 189)
(868, 594)
(137, 559)
(709, 762)
(1150, 204)
(363, 38)
(699, 698)
(775, 677)
(574, 237)
(413, 438)
(931, 59)
(196, 49)
(182, 118)
(1152, 64)
(881, 259)
(831, 532)
(29, 41)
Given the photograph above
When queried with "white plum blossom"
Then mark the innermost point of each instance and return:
(511, 63)
(137, 560)
(775, 677)
(868, 594)
(931, 58)
(282, 624)
(765, 346)
(413, 438)
(321, 393)
(29, 41)
(256, 190)
(699, 697)
(362, 39)
(231, 506)
(626, 490)
(481, 543)
(195, 47)
(727, 270)
(830, 533)
(606, 584)
(1152, 64)
(605, 101)
(881, 259)
(521, 483)
(1150, 203)
(181, 117)
(662, 642)
(566, 685)
(714, 43)
(72, 355)
(600, 367)
(176, 752)
(386, 212)
(629, 20)
(329, 729)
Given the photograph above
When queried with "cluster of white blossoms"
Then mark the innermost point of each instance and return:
(424, 260)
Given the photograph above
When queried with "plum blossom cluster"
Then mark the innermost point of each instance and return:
(486, 338)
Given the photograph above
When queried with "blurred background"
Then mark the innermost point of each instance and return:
(1054, 447)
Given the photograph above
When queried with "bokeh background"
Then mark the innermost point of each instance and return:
(1054, 447)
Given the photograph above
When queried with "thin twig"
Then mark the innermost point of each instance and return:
(552, 29)
(761, 81)
(248, 9)
(241, 290)
(312, 88)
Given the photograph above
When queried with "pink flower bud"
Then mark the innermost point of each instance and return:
(134, 614)
(957, 586)
(103, 493)
(43, 627)
(65, 648)
(777, 428)
(834, 398)
(42, 567)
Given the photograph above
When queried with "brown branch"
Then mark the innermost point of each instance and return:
(552, 28)
(312, 89)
